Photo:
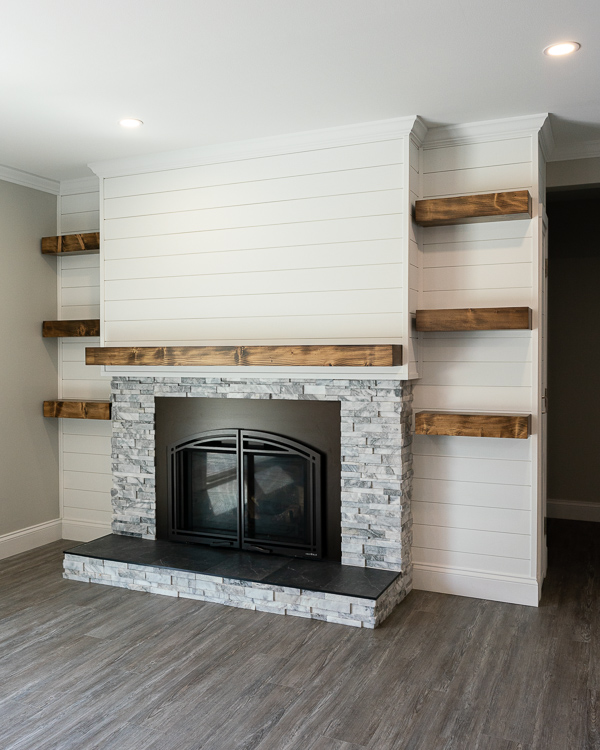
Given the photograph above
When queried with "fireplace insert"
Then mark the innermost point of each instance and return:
(247, 489)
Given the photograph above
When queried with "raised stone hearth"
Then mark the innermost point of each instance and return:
(375, 482)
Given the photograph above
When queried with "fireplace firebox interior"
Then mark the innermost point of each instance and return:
(247, 489)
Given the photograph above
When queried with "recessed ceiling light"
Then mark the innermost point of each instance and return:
(130, 122)
(563, 48)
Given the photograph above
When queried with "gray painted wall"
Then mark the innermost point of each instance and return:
(28, 364)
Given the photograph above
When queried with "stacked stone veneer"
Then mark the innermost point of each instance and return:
(282, 600)
(376, 477)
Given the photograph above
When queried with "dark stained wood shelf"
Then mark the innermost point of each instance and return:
(475, 319)
(71, 244)
(437, 212)
(59, 328)
(375, 355)
(473, 425)
(77, 409)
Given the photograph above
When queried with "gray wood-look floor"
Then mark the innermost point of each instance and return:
(88, 666)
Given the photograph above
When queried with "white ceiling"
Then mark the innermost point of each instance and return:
(211, 71)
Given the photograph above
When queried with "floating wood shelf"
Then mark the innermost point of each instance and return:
(52, 329)
(77, 409)
(473, 425)
(73, 244)
(475, 319)
(376, 355)
(437, 212)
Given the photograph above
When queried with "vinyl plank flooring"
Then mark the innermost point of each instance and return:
(97, 667)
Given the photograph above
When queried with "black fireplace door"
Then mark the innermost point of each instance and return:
(246, 489)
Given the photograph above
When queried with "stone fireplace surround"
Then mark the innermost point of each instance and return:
(376, 480)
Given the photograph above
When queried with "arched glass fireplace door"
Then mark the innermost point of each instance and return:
(246, 489)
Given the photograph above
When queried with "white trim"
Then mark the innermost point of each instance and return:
(547, 143)
(476, 584)
(346, 135)
(79, 185)
(475, 132)
(27, 539)
(325, 373)
(26, 179)
(583, 150)
(84, 531)
(573, 510)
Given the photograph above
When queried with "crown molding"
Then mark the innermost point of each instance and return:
(345, 135)
(26, 179)
(80, 185)
(582, 150)
(546, 140)
(476, 132)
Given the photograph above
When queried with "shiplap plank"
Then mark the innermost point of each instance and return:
(471, 349)
(79, 296)
(363, 228)
(469, 540)
(71, 262)
(470, 447)
(473, 398)
(83, 429)
(78, 277)
(75, 312)
(478, 253)
(468, 561)
(477, 155)
(462, 233)
(85, 389)
(88, 221)
(386, 326)
(87, 506)
(457, 469)
(74, 351)
(383, 276)
(260, 214)
(79, 202)
(465, 298)
(264, 191)
(454, 516)
(305, 162)
(78, 371)
(478, 180)
(479, 494)
(318, 303)
(87, 481)
(501, 374)
(502, 276)
(334, 255)
(87, 462)
(76, 443)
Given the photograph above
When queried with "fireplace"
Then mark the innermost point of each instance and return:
(359, 430)
(248, 489)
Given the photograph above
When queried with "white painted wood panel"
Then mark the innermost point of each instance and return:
(335, 255)
(502, 276)
(299, 303)
(380, 153)
(82, 222)
(459, 469)
(87, 507)
(93, 443)
(95, 464)
(478, 252)
(494, 543)
(501, 374)
(80, 296)
(477, 232)
(506, 297)
(250, 193)
(471, 447)
(88, 481)
(363, 228)
(79, 203)
(89, 427)
(82, 276)
(455, 516)
(384, 276)
(362, 328)
(480, 494)
(477, 180)
(506, 566)
(478, 155)
(469, 348)
(487, 400)
(259, 214)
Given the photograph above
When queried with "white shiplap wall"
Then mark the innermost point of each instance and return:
(85, 444)
(476, 499)
(304, 245)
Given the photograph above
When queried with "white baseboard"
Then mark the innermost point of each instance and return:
(24, 540)
(84, 531)
(476, 584)
(573, 510)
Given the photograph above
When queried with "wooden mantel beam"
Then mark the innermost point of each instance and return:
(343, 355)
(435, 212)
(77, 409)
(473, 425)
(73, 244)
(59, 328)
